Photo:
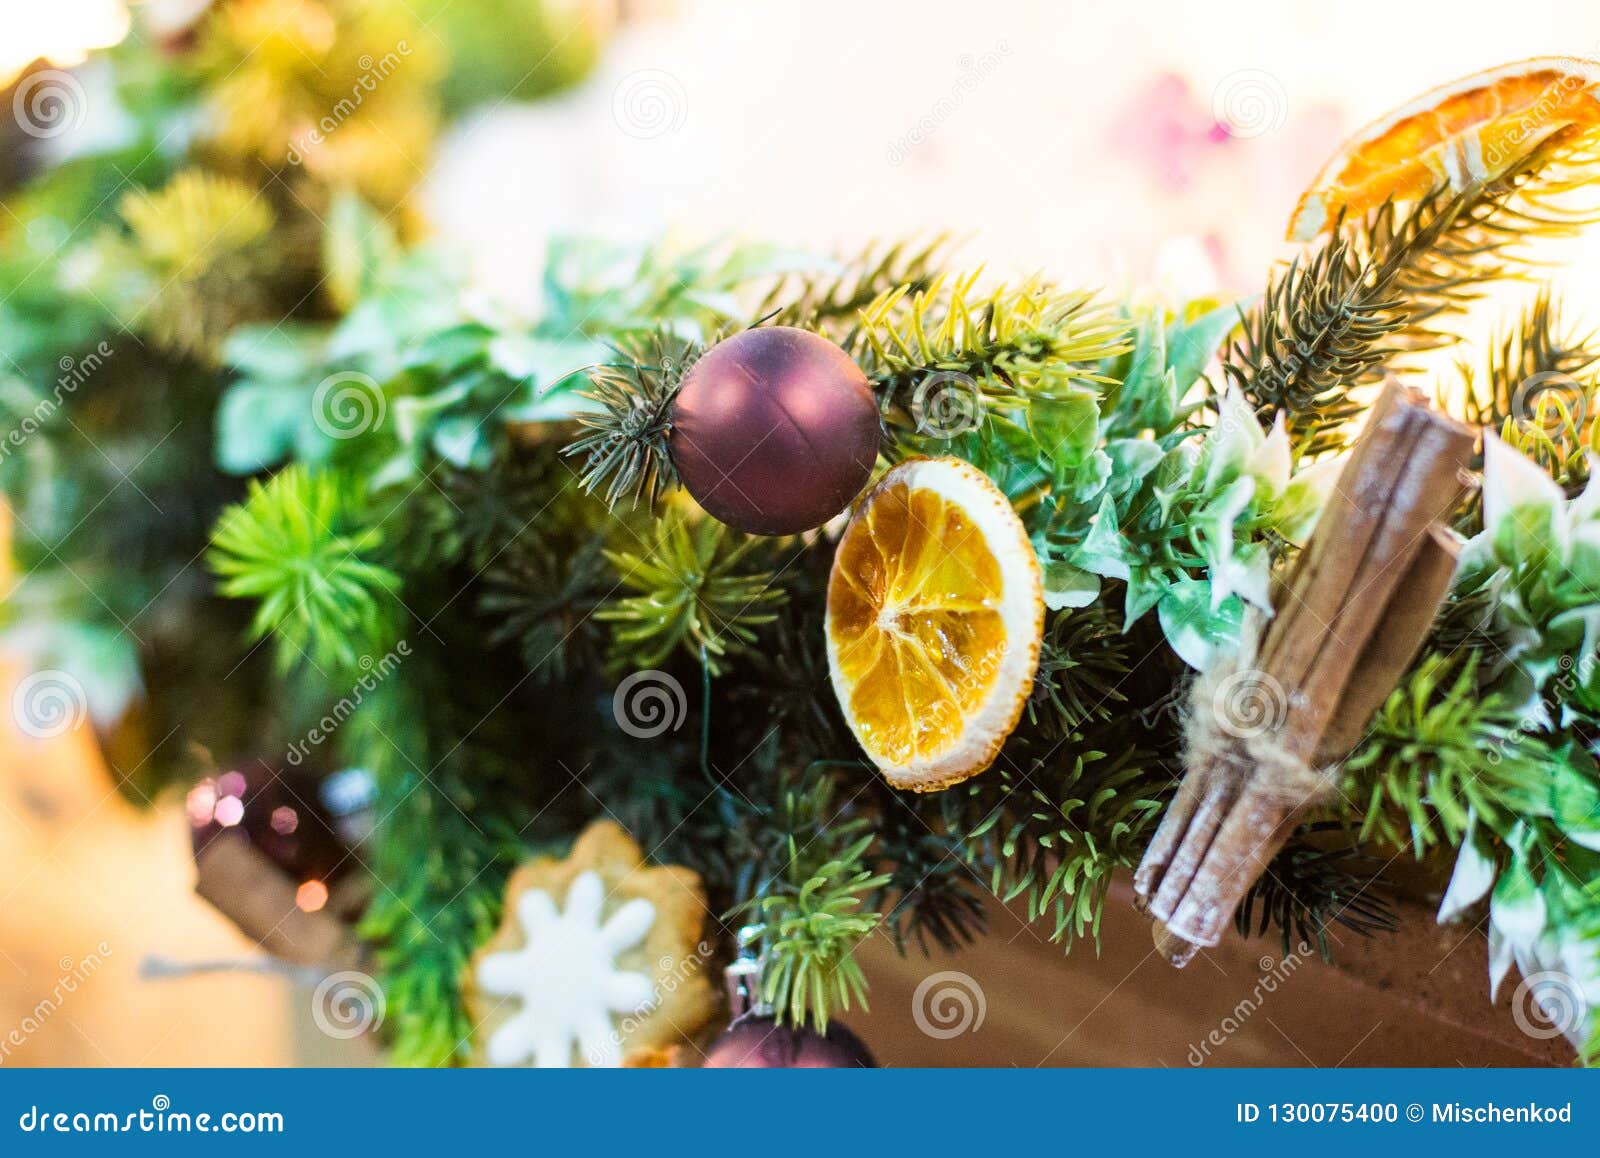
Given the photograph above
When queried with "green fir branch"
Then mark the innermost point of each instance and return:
(302, 546)
(1014, 343)
(1053, 833)
(1325, 325)
(831, 301)
(1333, 320)
(1479, 235)
(932, 894)
(1536, 391)
(816, 914)
(1440, 753)
(1308, 889)
(692, 592)
(1083, 660)
(625, 449)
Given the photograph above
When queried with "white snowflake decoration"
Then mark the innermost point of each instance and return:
(566, 978)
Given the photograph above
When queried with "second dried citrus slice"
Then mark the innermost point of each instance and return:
(1455, 135)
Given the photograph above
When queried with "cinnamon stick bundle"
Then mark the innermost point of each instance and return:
(1268, 728)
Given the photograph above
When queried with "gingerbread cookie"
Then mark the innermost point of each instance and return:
(597, 956)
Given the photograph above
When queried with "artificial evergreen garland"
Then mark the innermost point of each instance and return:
(495, 500)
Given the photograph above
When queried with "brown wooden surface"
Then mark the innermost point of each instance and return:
(1416, 997)
(82, 865)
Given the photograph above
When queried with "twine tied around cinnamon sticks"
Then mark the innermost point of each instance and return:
(1268, 727)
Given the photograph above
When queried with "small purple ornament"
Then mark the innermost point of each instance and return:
(757, 1042)
(774, 430)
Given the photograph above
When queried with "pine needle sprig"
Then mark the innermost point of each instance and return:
(1440, 752)
(544, 602)
(1333, 320)
(442, 856)
(1324, 325)
(1083, 658)
(1537, 389)
(693, 592)
(481, 514)
(1055, 835)
(1013, 342)
(817, 913)
(786, 682)
(833, 301)
(932, 895)
(1478, 234)
(625, 451)
(1307, 889)
(300, 546)
(1538, 343)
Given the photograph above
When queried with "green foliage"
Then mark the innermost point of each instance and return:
(625, 447)
(1439, 753)
(1537, 386)
(1451, 245)
(1334, 319)
(194, 260)
(440, 863)
(1015, 343)
(932, 895)
(545, 601)
(1536, 556)
(1192, 531)
(1308, 888)
(1054, 829)
(1323, 326)
(816, 914)
(693, 594)
(301, 546)
(1083, 660)
(831, 300)
(441, 377)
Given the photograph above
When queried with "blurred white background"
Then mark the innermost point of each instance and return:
(1137, 143)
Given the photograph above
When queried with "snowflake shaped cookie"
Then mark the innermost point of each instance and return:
(597, 957)
(566, 978)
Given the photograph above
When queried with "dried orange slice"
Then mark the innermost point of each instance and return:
(1457, 134)
(935, 611)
